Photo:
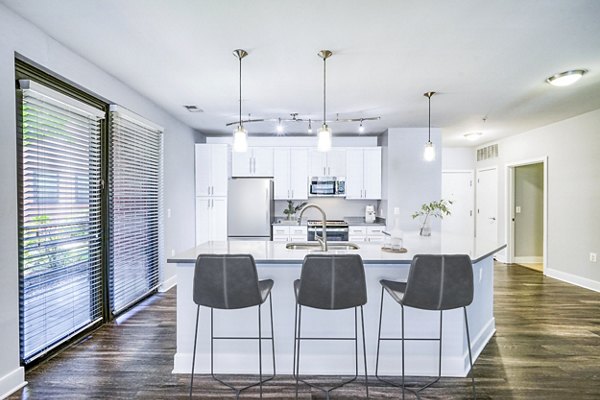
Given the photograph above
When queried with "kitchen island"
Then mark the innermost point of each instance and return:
(275, 261)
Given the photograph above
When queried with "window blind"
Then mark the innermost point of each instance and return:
(60, 246)
(135, 195)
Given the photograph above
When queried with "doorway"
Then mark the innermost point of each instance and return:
(486, 222)
(526, 212)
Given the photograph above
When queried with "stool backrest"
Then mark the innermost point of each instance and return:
(226, 281)
(332, 282)
(439, 282)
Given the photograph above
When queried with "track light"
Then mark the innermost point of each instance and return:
(361, 128)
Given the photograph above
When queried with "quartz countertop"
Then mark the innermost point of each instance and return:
(360, 221)
(268, 252)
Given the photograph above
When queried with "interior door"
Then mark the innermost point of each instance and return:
(458, 228)
(486, 233)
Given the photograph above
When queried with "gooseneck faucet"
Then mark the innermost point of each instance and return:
(323, 240)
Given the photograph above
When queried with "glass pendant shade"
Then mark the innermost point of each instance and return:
(240, 140)
(324, 138)
(429, 152)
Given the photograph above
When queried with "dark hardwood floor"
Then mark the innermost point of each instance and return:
(547, 346)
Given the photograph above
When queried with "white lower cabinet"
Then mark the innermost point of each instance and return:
(282, 233)
(211, 219)
(371, 234)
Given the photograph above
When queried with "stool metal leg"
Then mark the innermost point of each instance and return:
(470, 356)
(260, 352)
(194, 353)
(379, 335)
(272, 334)
(362, 318)
(402, 318)
(298, 347)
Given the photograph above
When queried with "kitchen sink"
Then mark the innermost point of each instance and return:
(317, 246)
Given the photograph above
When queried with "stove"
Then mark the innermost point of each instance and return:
(337, 229)
(333, 223)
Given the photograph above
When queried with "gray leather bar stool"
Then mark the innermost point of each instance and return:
(331, 282)
(435, 282)
(230, 282)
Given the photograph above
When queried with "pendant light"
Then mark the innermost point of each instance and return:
(429, 151)
(240, 135)
(324, 134)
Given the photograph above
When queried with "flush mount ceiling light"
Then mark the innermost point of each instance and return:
(566, 78)
(240, 135)
(324, 133)
(429, 151)
(472, 136)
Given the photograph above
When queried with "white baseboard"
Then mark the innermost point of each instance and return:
(529, 260)
(12, 382)
(573, 279)
(168, 284)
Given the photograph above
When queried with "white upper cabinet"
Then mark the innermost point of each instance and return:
(211, 169)
(290, 172)
(256, 162)
(363, 173)
(331, 163)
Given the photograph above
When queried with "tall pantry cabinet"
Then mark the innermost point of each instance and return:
(211, 175)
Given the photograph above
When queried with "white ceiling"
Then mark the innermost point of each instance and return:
(485, 58)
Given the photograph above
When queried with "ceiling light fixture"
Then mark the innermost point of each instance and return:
(309, 126)
(566, 78)
(324, 134)
(240, 135)
(279, 127)
(429, 152)
(472, 136)
(361, 128)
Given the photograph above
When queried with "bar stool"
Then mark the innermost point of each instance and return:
(435, 282)
(230, 282)
(331, 282)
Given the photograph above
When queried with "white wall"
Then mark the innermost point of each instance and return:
(572, 147)
(18, 35)
(458, 158)
(410, 180)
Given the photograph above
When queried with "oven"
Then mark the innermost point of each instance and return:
(337, 231)
(327, 186)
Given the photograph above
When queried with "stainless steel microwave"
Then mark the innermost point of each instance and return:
(327, 186)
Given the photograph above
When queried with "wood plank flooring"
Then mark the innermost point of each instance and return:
(547, 346)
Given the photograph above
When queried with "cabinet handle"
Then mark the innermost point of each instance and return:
(208, 203)
(288, 193)
(292, 193)
(250, 164)
(253, 165)
(208, 190)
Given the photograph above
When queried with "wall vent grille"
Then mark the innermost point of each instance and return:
(485, 153)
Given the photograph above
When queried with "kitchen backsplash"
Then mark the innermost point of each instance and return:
(334, 208)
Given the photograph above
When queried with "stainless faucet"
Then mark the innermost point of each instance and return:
(323, 240)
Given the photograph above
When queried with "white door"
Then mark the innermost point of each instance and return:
(281, 174)
(298, 167)
(219, 170)
(202, 220)
(458, 228)
(372, 173)
(317, 164)
(336, 162)
(218, 218)
(241, 164)
(262, 164)
(354, 174)
(202, 169)
(486, 231)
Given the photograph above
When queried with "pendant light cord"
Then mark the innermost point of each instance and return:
(324, 90)
(429, 131)
(240, 90)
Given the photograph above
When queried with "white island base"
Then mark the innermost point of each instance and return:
(328, 357)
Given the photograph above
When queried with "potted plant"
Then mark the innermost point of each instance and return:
(291, 209)
(436, 209)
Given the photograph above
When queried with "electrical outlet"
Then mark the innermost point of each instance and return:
(518, 209)
(593, 257)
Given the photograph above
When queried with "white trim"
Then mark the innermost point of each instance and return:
(528, 259)
(509, 202)
(168, 284)
(572, 279)
(44, 93)
(12, 382)
(135, 118)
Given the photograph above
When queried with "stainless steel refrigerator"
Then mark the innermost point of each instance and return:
(250, 209)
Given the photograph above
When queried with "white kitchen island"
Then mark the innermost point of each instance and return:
(283, 265)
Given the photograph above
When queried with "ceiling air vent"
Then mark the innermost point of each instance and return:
(192, 108)
(485, 153)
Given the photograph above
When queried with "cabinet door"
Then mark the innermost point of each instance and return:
(218, 218)
(357, 233)
(336, 162)
(375, 234)
(298, 168)
(354, 174)
(219, 172)
(372, 173)
(241, 164)
(318, 163)
(202, 220)
(262, 164)
(281, 174)
(202, 169)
